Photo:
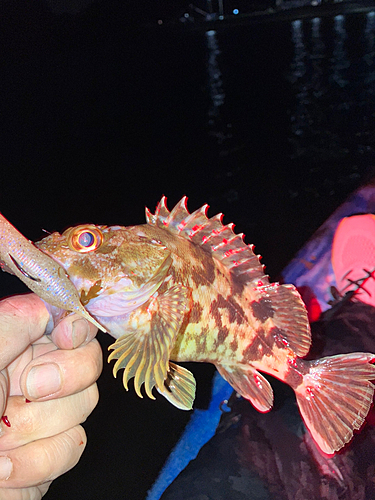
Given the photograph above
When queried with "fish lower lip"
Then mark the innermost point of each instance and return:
(21, 270)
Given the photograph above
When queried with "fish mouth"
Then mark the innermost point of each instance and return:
(41, 246)
(52, 256)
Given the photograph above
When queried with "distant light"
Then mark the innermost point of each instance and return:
(160, 21)
(186, 15)
(236, 11)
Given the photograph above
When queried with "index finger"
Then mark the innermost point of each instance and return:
(23, 319)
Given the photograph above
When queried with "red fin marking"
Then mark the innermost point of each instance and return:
(161, 212)
(149, 217)
(176, 220)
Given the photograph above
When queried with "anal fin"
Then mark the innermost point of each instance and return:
(179, 387)
(251, 384)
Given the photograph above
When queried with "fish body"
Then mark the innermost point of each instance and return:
(183, 287)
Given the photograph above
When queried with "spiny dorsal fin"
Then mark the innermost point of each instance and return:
(213, 236)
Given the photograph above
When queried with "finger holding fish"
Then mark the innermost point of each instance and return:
(60, 373)
(39, 440)
(74, 331)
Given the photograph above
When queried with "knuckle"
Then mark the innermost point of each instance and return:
(62, 453)
(90, 398)
(93, 352)
(26, 421)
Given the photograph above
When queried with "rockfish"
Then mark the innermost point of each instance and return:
(184, 287)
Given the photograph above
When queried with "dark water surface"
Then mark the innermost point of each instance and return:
(272, 124)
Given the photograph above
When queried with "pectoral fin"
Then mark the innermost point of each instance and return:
(248, 382)
(143, 351)
(179, 387)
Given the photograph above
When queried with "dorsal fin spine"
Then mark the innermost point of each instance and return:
(218, 239)
(150, 217)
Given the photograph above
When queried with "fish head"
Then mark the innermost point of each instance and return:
(100, 258)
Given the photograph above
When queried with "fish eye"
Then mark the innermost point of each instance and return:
(85, 239)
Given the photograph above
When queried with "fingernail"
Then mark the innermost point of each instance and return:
(80, 331)
(6, 467)
(43, 380)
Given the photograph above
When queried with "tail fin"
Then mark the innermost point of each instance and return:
(335, 396)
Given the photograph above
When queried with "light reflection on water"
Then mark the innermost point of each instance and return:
(339, 58)
(369, 56)
(332, 117)
(299, 118)
(326, 107)
(215, 82)
(220, 131)
(318, 53)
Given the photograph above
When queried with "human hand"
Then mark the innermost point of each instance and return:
(57, 375)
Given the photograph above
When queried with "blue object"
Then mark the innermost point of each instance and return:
(311, 268)
(199, 430)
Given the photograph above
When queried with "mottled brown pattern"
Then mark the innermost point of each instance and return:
(252, 351)
(262, 309)
(252, 275)
(238, 283)
(196, 313)
(214, 310)
(206, 262)
(234, 345)
(222, 335)
(236, 313)
(201, 340)
(276, 336)
(209, 268)
(179, 272)
(222, 303)
(199, 276)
